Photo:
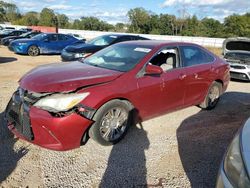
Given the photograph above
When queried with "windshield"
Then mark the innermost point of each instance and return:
(238, 56)
(120, 57)
(39, 36)
(103, 40)
(25, 34)
(6, 32)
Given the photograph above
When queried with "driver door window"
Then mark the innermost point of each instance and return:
(52, 38)
(167, 59)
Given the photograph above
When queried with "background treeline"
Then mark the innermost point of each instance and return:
(140, 21)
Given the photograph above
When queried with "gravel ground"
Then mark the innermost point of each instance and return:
(180, 149)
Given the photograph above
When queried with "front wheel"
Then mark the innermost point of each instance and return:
(212, 96)
(33, 51)
(111, 122)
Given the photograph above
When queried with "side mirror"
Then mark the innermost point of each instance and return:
(153, 70)
(46, 40)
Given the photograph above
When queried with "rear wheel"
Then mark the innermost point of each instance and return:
(212, 96)
(111, 122)
(33, 51)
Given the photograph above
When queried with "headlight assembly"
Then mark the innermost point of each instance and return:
(60, 102)
(83, 55)
(78, 55)
(234, 165)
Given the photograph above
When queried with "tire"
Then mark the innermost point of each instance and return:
(33, 51)
(112, 121)
(212, 97)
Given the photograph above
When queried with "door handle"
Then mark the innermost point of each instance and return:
(182, 76)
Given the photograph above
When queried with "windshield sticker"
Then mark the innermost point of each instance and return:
(146, 50)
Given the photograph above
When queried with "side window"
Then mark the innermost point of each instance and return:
(167, 59)
(52, 37)
(62, 37)
(192, 55)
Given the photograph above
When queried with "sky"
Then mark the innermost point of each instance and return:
(114, 11)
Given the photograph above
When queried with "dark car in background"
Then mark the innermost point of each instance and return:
(7, 33)
(235, 167)
(44, 43)
(58, 106)
(236, 52)
(6, 41)
(78, 51)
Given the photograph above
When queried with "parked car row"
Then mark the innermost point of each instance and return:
(45, 43)
(81, 50)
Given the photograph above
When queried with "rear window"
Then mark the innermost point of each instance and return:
(238, 45)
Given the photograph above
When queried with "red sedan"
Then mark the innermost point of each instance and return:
(58, 106)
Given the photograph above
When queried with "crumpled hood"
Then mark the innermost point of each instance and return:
(65, 77)
(83, 48)
(241, 44)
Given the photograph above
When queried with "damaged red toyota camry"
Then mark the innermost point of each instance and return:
(58, 106)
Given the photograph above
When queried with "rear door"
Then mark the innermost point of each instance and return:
(198, 65)
(63, 41)
(50, 44)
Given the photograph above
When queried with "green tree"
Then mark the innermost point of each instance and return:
(77, 24)
(139, 18)
(237, 25)
(8, 12)
(166, 24)
(93, 23)
(47, 17)
(2, 12)
(211, 28)
(63, 21)
(120, 27)
(28, 19)
(192, 27)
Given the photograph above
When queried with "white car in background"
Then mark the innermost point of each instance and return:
(77, 36)
(236, 52)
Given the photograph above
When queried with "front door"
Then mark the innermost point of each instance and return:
(165, 92)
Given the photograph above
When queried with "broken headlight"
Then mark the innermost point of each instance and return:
(60, 102)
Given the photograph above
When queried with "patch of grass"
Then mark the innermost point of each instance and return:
(217, 51)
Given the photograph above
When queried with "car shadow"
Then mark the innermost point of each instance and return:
(204, 137)
(7, 59)
(127, 161)
(9, 156)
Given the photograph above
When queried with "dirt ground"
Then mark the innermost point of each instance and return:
(180, 149)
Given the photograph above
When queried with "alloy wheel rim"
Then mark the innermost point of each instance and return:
(214, 94)
(113, 124)
(33, 50)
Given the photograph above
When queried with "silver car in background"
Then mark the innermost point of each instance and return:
(236, 52)
(235, 167)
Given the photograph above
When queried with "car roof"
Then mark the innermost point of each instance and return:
(121, 35)
(155, 43)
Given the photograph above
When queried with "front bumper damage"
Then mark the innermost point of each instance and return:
(40, 127)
